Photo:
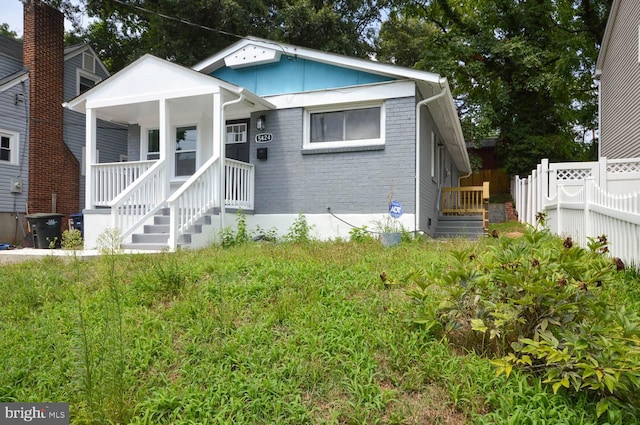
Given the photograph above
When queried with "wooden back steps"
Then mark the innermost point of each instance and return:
(464, 212)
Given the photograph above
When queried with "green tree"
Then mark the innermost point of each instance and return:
(189, 31)
(520, 69)
(7, 32)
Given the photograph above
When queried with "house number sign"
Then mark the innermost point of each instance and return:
(264, 137)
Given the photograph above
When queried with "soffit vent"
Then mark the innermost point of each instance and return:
(252, 55)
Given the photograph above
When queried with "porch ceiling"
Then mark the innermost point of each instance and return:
(182, 109)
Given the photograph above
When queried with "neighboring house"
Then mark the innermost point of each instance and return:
(618, 70)
(42, 144)
(332, 137)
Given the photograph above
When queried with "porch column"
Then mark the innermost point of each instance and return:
(218, 148)
(90, 157)
(165, 144)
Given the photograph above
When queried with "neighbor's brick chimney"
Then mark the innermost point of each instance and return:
(53, 170)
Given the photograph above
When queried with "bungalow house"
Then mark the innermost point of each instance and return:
(276, 130)
(42, 144)
(618, 72)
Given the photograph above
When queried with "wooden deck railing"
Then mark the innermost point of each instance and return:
(470, 200)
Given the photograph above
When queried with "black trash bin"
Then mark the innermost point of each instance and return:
(46, 229)
(78, 220)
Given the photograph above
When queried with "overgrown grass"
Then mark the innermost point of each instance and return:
(256, 333)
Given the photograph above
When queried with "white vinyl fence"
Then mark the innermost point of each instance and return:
(586, 199)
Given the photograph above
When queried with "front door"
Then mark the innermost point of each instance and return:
(237, 140)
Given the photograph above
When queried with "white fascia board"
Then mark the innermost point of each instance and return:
(450, 128)
(353, 94)
(216, 61)
(87, 48)
(613, 15)
(176, 94)
(15, 81)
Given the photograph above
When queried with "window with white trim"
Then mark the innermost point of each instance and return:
(86, 80)
(359, 125)
(153, 144)
(237, 133)
(9, 147)
(185, 152)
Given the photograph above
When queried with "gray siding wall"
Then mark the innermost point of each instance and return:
(428, 184)
(445, 173)
(14, 119)
(111, 138)
(620, 85)
(348, 182)
(9, 65)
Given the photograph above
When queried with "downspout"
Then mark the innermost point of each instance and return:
(223, 154)
(423, 102)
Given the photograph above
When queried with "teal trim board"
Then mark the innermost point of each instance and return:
(294, 75)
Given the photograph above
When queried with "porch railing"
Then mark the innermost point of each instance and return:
(470, 200)
(239, 184)
(195, 197)
(111, 179)
(140, 200)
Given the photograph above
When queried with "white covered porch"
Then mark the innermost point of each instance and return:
(182, 172)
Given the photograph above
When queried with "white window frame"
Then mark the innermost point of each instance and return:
(14, 146)
(88, 75)
(174, 145)
(243, 134)
(144, 144)
(433, 155)
(307, 145)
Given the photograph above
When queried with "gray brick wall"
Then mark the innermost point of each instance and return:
(348, 182)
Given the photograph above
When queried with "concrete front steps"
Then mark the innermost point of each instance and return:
(155, 237)
(459, 226)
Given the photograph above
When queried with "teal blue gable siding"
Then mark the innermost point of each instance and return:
(294, 76)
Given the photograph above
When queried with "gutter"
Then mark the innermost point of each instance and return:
(223, 154)
(443, 92)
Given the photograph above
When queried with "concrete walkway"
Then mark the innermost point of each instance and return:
(26, 254)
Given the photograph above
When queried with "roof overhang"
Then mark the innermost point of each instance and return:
(133, 94)
(11, 80)
(262, 49)
(613, 15)
(446, 119)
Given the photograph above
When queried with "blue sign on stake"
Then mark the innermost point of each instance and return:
(395, 209)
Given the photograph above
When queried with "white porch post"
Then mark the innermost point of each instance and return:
(165, 142)
(218, 148)
(90, 157)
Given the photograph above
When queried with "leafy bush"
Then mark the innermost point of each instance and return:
(360, 234)
(540, 303)
(72, 239)
(299, 231)
(230, 238)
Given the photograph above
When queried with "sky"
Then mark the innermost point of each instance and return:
(11, 13)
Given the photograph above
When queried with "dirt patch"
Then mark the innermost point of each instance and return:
(431, 406)
(514, 234)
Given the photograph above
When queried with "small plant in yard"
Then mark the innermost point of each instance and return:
(300, 230)
(540, 304)
(72, 239)
(360, 234)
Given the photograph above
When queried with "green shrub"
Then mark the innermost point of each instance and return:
(299, 231)
(72, 239)
(360, 234)
(540, 303)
